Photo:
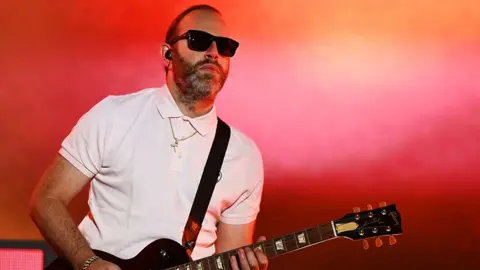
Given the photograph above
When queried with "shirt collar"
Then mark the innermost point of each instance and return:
(168, 109)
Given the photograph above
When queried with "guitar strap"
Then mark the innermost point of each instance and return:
(210, 176)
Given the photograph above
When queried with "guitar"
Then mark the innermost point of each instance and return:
(166, 254)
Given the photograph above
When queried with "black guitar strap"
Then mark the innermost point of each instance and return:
(207, 184)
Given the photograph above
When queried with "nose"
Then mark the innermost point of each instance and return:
(212, 51)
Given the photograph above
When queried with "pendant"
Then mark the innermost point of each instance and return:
(174, 146)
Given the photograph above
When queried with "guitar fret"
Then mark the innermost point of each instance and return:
(211, 263)
(269, 249)
(206, 262)
(203, 264)
(226, 260)
(290, 242)
(295, 239)
(327, 231)
(266, 246)
(319, 229)
(313, 235)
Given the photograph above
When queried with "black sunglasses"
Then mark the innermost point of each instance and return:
(200, 41)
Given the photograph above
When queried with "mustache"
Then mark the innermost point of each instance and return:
(208, 61)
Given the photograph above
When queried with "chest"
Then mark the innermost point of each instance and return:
(161, 181)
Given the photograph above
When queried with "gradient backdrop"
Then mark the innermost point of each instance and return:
(351, 102)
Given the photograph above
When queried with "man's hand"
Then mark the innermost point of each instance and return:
(103, 265)
(249, 259)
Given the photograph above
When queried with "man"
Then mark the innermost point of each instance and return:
(143, 155)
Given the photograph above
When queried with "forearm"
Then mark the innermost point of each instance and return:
(57, 227)
(233, 236)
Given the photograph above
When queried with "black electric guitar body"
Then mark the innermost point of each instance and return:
(166, 254)
(158, 255)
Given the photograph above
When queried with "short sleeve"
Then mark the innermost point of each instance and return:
(247, 207)
(85, 144)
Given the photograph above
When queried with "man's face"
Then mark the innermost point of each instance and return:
(200, 75)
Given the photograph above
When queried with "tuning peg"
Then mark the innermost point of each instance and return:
(382, 204)
(365, 244)
(356, 209)
(392, 240)
(369, 207)
(378, 242)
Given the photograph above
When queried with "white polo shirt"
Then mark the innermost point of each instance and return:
(141, 189)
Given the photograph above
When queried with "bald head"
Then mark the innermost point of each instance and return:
(173, 29)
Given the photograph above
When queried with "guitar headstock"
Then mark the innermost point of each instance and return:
(385, 220)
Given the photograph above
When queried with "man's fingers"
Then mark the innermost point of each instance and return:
(251, 258)
(261, 259)
(234, 263)
(243, 260)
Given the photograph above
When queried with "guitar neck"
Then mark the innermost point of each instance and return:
(272, 248)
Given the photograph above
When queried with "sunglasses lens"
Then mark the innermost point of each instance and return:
(199, 41)
(226, 46)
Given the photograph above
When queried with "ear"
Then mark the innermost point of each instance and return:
(165, 48)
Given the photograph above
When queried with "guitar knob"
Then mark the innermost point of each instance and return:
(369, 207)
(378, 242)
(365, 244)
(356, 210)
(392, 240)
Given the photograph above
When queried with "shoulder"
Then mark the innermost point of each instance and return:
(128, 101)
(242, 146)
(115, 112)
(125, 106)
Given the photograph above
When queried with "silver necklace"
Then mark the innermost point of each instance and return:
(174, 145)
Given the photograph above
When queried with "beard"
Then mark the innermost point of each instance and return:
(195, 85)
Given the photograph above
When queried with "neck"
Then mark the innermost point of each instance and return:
(189, 108)
(272, 248)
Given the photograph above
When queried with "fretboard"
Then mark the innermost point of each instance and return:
(272, 248)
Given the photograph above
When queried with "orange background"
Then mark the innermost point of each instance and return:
(351, 102)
